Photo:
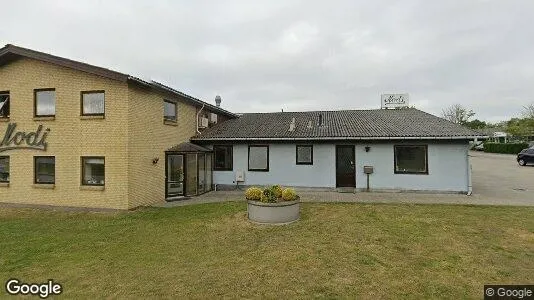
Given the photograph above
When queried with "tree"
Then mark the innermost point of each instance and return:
(476, 124)
(457, 114)
(528, 111)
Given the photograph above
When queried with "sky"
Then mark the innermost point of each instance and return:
(264, 56)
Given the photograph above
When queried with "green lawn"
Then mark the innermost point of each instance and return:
(334, 251)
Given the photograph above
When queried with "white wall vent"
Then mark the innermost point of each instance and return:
(239, 176)
(203, 122)
(213, 118)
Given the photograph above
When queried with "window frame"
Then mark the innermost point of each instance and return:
(248, 158)
(35, 91)
(297, 154)
(175, 111)
(410, 172)
(9, 104)
(35, 169)
(9, 166)
(231, 168)
(82, 158)
(92, 92)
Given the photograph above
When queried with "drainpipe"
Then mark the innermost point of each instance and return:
(198, 114)
(469, 175)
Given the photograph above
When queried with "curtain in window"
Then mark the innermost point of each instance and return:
(93, 103)
(94, 171)
(257, 159)
(45, 103)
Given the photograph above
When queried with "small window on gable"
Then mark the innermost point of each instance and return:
(304, 155)
(4, 104)
(169, 111)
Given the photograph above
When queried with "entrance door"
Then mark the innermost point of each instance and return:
(345, 171)
(174, 178)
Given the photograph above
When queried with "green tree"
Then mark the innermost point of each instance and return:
(457, 114)
(476, 124)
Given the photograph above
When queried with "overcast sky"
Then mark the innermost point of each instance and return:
(262, 56)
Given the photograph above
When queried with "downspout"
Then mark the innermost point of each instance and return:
(198, 114)
(469, 175)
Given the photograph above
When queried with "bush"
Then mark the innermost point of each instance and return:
(268, 195)
(253, 193)
(509, 148)
(277, 190)
(289, 195)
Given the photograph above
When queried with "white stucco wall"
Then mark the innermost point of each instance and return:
(447, 165)
(447, 168)
(283, 168)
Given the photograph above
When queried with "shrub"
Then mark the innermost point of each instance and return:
(509, 148)
(289, 195)
(253, 193)
(277, 190)
(268, 195)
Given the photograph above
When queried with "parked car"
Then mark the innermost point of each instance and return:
(479, 147)
(525, 156)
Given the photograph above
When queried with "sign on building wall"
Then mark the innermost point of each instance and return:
(14, 139)
(394, 100)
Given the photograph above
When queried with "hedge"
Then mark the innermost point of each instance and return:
(510, 148)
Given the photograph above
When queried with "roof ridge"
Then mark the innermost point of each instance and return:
(339, 110)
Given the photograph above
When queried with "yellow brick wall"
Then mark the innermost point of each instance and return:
(149, 138)
(69, 137)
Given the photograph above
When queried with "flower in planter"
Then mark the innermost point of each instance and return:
(289, 194)
(277, 190)
(268, 196)
(253, 193)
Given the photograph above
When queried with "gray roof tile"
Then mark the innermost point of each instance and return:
(357, 124)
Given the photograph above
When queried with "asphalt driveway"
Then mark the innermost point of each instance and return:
(498, 178)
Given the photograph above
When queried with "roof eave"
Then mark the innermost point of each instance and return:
(341, 138)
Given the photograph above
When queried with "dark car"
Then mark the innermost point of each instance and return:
(525, 156)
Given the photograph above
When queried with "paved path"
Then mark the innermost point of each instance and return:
(497, 180)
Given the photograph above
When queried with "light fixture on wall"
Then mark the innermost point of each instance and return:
(155, 160)
(367, 148)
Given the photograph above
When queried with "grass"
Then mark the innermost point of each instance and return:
(210, 250)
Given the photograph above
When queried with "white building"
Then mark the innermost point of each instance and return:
(408, 150)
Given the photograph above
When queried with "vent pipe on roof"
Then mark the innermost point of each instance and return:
(292, 125)
(218, 100)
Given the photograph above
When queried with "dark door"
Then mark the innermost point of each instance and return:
(174, 177)
(345, 172)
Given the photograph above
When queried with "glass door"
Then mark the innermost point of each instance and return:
(174, 175)
(192, 175)
(201, 173)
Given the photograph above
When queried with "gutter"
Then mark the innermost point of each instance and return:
(198, 114)
(343, 138)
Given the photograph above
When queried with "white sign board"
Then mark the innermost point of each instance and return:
(394, 100)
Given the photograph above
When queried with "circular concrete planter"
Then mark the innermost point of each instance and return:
(273, 213)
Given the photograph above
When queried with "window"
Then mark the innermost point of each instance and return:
(93, 103)
(4, 168)
(258, 158)
(223, 157)
(4, 104)
(93, 171)
(45, 169)
(44, 102)
(169, 111)
(304, 155)
(411, 159)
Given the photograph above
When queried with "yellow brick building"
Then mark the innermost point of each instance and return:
(104, 135)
